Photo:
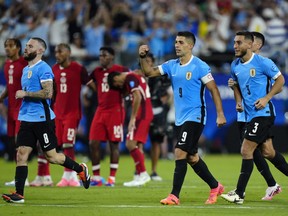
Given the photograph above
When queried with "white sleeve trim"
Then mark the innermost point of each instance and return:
(277, 75)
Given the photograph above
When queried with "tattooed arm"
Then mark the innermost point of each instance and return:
(45, 93)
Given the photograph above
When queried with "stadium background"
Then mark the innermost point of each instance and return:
(125, 24)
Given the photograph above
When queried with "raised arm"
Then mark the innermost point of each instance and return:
(146, 68)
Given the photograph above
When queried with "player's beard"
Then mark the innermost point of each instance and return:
(31, 56)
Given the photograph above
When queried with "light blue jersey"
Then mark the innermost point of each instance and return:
(188, 83)
(33, 110)
(254, 79)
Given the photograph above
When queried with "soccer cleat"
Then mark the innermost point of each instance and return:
(139, 180)
(233, 197)
(40, 181)
(84, 176)
(12, 183)
(170, 200)
(110, 182)
(214, 193)
(97, 181)
(73, 183)
(155, 177)
(13, 198)
(271, 192)
(63, 183)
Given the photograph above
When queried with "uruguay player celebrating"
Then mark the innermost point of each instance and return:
(189, 76)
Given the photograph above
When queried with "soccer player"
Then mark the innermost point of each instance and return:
(13, 67)
(260, 162)
(140, 118)
(69, 76)
(189, 76)
(253, 74)
(37, 120)
(107, 124)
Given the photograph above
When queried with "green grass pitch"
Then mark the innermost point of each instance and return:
(119, 200)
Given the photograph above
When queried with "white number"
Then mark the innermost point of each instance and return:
(71, 134)
(46, 139)
(255, 127)
(117, 130)
(63, 87)
(184, 136)
(104, 87)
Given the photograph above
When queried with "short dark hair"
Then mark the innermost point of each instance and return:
(17, 43)
(247, 35)
(110, 79)
(259, 36)
(187, 34)
(65, 45)
(41, 41)
(110, 50)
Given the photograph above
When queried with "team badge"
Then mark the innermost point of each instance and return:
(29, 74)
(188, 75)
(252, 72)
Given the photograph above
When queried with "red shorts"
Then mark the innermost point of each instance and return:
(141, 131)
(107, 126)
(13, 126)
(66, 130)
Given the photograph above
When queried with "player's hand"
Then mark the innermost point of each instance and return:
(221, 120)
(239, 107)
(231, 83)
(143, 50)
(20, 94)
(132, 125)
(261, 103)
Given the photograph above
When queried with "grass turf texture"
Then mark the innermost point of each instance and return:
(120, 200)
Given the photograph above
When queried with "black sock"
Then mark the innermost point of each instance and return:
(263, 167)
(280, 163)
(179, 175)
(246, 170)
(71, 164)
(201, 169)
(20, 178)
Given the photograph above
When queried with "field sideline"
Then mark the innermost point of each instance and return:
(119, 200)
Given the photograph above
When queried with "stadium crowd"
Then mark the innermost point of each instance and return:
(125, 24)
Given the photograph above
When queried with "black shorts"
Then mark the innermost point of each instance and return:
(188, 136)
(259, 129)
(31, 132)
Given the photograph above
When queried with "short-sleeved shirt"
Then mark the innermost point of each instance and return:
(254, 79)
(13, 74)
(36, 110)
(68, 88)
(188, 83)
(108, 99)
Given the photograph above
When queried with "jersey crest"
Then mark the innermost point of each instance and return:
(29, 74)
(188, 75)
(252, 72)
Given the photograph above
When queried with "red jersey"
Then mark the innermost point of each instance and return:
(68, 88)
(135, 82)
(13, 74)
(108, 99)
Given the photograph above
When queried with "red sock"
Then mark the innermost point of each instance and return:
(43, 166)
(71, 154)
(138, 158)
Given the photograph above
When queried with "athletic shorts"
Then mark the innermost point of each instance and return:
(259, 129)
(31, 132)
(188, 136)
(241, 129)
(66, 130)
(107, 126)
(13, 126)
(140, 133)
